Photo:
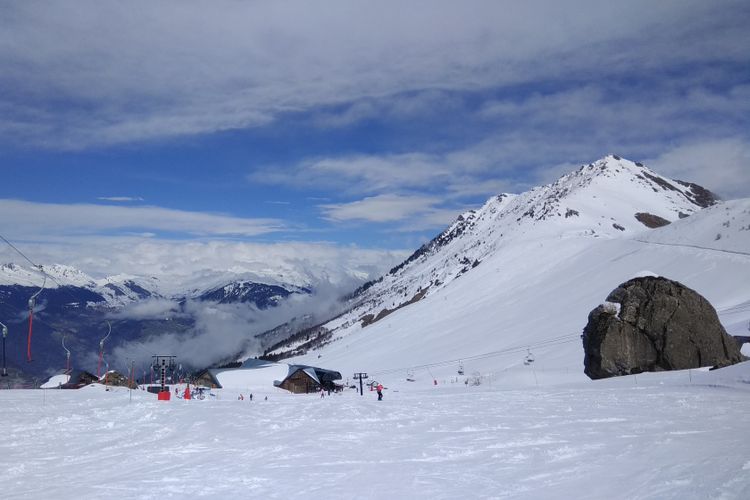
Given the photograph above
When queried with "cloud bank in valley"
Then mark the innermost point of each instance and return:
(223, 332)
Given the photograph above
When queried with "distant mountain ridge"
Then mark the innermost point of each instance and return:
(120, 290)
(262, 295)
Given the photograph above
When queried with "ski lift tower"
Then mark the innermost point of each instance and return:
(162, 362)
(5, 334)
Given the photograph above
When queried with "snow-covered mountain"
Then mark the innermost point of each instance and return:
(531, 267)
(262, 295)
(120, 290)
(611, 198)
(112, 291)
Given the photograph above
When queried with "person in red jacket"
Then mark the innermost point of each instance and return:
(380, 392)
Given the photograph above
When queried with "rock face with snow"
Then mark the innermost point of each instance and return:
(653, 324)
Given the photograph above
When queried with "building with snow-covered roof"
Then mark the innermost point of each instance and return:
(254, 374)
(305, 379)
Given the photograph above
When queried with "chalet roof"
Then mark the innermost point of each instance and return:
(315, 373)
(209, 373)
(80, 377)
(255, 363)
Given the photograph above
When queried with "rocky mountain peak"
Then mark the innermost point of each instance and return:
(610, 198)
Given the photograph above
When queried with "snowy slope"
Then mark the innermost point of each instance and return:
(529, 276)
(662, 436)
(14, 274)
(725, 226)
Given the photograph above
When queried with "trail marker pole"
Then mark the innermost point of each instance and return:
(360, 377)
(132, 379)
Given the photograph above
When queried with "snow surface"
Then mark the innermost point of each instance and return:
(535, 295)
(677, 435)
(55, 381)
(259, 379)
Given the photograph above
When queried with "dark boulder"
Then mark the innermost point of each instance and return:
(654, 324)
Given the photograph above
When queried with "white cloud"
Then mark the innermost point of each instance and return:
(123, 199)
(531, 140)
(149, 309)
(225, 331)
(168, 69)
(50, 219)
(360, 173)
(722, 166)
(381, 208)
(181, 265)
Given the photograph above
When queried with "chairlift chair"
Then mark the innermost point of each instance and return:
(529, 358)
(460, 368)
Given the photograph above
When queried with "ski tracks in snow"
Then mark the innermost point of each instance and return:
(613, 442)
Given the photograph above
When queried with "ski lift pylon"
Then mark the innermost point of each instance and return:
(67, 355)
(101, 351)
(32, 303)
(5, 334)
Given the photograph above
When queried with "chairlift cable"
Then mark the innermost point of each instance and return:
(563, 339)
(17, 250)
(37, 266)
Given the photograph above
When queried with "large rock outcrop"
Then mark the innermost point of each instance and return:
(654, 324)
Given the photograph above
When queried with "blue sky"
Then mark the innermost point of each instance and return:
(351, 125)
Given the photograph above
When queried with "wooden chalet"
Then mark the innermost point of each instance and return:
(206, 379)
(78, 379)
(306, 379)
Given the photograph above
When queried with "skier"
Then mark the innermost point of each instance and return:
(380, 392)
(251, 396)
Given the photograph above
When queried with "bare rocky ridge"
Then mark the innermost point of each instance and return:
(654, 324)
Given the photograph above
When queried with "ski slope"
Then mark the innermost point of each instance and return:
(520, 275)
(534, 295)
(653, 436)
